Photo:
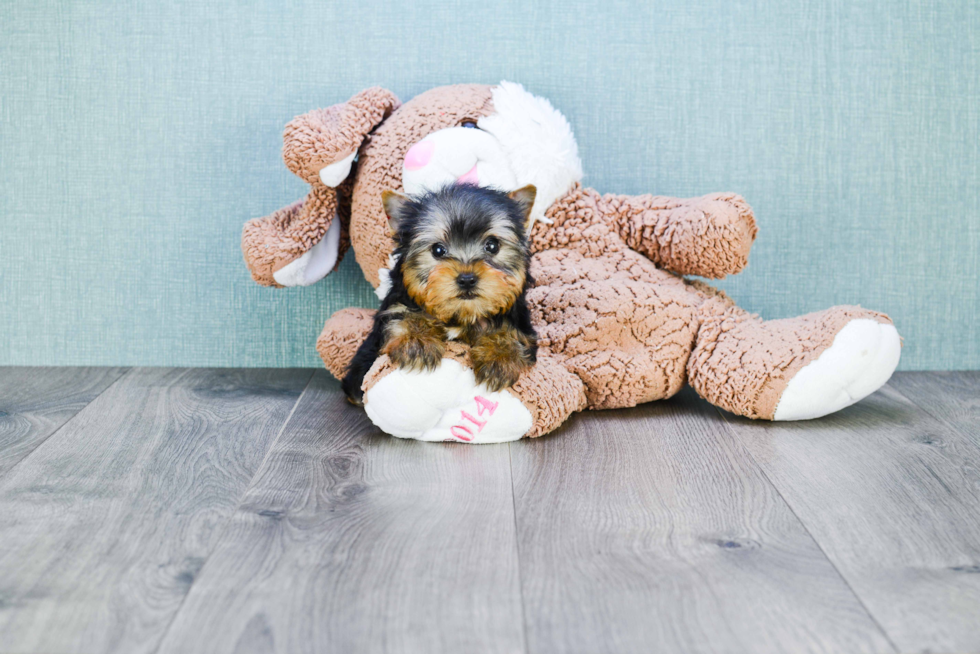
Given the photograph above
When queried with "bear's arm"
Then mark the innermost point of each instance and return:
(708, 236)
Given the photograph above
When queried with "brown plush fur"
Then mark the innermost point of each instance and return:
(617, 324)
(310, 142)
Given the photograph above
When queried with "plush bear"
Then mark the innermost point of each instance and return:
(617, 320)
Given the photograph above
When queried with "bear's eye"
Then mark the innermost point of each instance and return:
(492, 246)
(470, 123)
(438, 250)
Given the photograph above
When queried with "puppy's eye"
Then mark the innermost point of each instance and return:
(438, 250)
(470, 123)
(492, 246)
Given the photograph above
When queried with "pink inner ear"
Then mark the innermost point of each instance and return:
(419, 155)
(470, 178)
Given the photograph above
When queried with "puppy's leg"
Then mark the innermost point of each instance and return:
(500, 356)
(415, 341)
(520, 317)
(363, 359)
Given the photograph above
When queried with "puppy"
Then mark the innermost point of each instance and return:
(461, 272)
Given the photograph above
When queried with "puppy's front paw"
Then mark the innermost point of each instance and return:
(416, 354)
(500, 374)
(499, 359)
(415, 343)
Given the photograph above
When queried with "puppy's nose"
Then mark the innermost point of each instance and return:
(466, 281)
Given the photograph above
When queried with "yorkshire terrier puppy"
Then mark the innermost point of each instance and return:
(461, 272)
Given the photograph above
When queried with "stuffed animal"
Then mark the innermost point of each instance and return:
(618, 321)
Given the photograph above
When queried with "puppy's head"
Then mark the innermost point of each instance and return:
(464, 251)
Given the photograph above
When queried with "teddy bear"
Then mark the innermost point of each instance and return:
(621, 315)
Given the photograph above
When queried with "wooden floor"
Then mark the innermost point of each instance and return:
(209, 511)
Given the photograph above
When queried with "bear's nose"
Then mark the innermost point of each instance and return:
(419, 155)
(466, 281)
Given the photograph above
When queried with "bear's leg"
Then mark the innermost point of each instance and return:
(792, 369)
(341, 336)
(448, 404)
(708, 236)
(622, 326)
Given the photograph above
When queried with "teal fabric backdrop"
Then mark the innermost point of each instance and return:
(137, 137)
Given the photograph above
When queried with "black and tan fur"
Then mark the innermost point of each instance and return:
(461, 272)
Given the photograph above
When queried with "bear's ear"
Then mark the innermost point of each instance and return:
(320, 145)
(524, 197)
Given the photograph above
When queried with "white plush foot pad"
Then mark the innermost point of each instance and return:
(445, 405)
(863, 356)
(315, 264)
(335, 174)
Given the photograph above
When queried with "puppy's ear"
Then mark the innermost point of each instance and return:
(524, 197)
(396, 206)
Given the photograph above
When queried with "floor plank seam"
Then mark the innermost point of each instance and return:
(67, 422)
(231, 515)
(517, 547)
(274, 441)
(860, 600)
(943, 421)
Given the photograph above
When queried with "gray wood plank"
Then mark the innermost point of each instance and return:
(893, 497)
(952, 397)
(651, 530)
(352, 541)
(104, 527)
(36, 402)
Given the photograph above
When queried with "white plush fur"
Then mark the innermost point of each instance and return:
(426, 406)
(384, 278)
(337, 172)
(315, 263)
(455, 151)
(862, 357)
(538, 142)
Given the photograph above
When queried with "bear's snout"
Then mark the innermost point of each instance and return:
(419, 155)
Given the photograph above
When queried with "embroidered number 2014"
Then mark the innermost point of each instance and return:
(463, 431)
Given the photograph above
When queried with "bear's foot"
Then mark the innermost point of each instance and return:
(863, 356)
(444, 405)
(448, 404)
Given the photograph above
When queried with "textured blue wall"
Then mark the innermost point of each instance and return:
(136, 138)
